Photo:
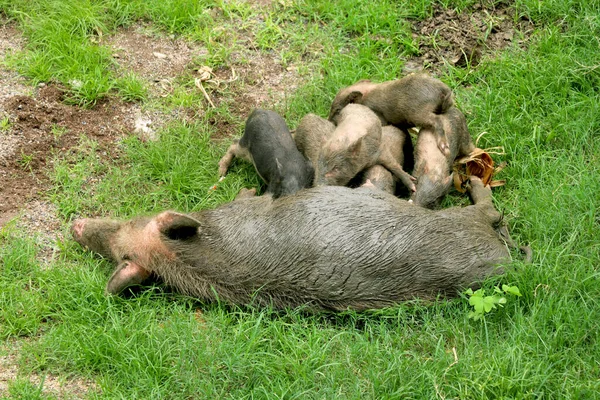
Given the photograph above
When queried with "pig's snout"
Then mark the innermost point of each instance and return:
(78, 228)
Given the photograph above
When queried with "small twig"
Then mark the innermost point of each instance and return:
(479, 137)
(199, 85)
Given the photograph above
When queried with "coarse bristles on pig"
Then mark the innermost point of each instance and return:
(414, 100)
(328, 248)
(433, 169)
(268, 144)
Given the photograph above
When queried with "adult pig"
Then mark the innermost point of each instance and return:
(355, 145)
(268, 144)
(327, 248)
(414, 100)
(433, 169)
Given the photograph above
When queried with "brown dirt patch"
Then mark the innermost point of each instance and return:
(157, 59)
(450, 38)
(41, 127)
(262, 82)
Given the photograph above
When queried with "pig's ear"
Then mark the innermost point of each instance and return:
(126, 275)
(177, 226)
(354, 148)
(354, 97)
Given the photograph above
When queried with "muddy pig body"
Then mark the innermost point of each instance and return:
(433, 169)
(311, 134)
(326, 248)
(414, 100)
(396, 148)
(268, 144)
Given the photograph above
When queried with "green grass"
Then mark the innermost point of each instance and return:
(540, 103)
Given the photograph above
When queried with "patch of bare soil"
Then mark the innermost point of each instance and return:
(449, 38)
(42, 126)
(253, 78)
(156, 59)
(53, 385)
(262, 82)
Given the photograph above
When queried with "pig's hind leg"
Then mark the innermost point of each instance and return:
(480, 194)
(395, 168)
(235, 150)
(441, 136)
(482, 197)
(245, 194)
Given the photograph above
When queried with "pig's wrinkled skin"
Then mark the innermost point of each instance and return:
(395, 144)
(355, 145)
(414, 100)
(328, 248)
(433, 169)
(268, 144)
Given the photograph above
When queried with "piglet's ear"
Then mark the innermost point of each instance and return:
(354, 97)
(177, 226)
(126, 275)
(354, 148)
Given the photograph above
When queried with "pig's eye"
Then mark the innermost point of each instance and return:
(126, 257)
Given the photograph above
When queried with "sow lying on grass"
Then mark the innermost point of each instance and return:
(327, 248)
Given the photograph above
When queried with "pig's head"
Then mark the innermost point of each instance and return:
(351, 94)
(138, 245)
(430, 191)
(337, 164)
(283, 184)
(97, 235)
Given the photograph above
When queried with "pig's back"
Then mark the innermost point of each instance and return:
(341, 247)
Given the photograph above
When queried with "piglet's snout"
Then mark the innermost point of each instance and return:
(78, 228)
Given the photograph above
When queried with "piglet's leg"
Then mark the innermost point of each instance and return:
(235, 150)
(441, 137)
(395, 168)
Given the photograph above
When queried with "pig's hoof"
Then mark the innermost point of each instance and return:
(444, 147)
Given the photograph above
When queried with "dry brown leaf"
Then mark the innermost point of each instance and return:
(480, 164)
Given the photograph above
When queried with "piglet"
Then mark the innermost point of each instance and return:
(268, 144)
